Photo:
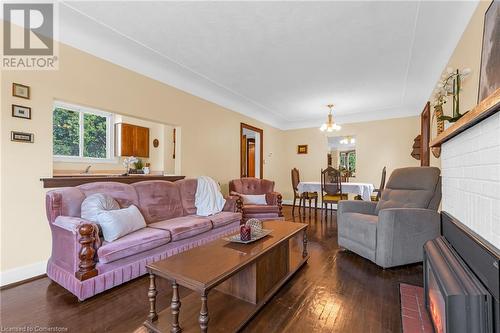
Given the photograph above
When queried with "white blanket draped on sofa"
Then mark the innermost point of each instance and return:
(208, 198)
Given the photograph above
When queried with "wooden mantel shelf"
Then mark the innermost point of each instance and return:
(486, 108)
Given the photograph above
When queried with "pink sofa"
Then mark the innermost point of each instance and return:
(86, 266)
(249, 185)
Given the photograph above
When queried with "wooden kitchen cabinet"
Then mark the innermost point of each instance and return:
(132, 140)
(141, 141)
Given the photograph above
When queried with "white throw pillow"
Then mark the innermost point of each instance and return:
(253, 199)
(120, 222)
(95, 204)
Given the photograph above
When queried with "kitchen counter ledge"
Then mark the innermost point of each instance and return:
(75, 180)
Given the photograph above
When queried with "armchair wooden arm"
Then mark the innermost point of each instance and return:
(280, 204)
(239, 205)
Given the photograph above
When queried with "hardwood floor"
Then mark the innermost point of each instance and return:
(337, 291)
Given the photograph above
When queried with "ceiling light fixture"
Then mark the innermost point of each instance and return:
(330, 125)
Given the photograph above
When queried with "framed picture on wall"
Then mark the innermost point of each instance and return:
(489, 76)
(302, 149)
(20, 90)
(22, 137)
(20, 111)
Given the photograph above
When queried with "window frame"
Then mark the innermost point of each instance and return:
(110, 134)
(345, 155)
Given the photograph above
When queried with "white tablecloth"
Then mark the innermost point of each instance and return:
(363, 189)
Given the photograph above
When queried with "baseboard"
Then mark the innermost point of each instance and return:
(22, 273)
(287, 202)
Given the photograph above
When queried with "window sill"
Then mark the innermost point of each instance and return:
(69, 159)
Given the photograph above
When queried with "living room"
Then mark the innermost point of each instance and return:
(164, 89)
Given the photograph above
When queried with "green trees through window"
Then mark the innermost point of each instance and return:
(66, 132)
(94, 136)
(67, 139)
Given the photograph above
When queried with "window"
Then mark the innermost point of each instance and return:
(348, 161)
(82, 134)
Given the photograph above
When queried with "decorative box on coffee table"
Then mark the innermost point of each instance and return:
(231, 281)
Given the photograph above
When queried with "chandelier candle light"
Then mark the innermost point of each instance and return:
(330, 125)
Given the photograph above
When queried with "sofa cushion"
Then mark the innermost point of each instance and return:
(124, 194)
(97, 203)
(253, 199)
(184, 227)
(159, 200)
(257, 209)
(361, 228)
(251, 185)
(187, 188)
(404, 199)
(120, 222)
(224, 218)
(133, 243)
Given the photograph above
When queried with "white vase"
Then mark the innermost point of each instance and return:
(146, 170)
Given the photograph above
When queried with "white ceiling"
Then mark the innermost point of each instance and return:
(280, 62)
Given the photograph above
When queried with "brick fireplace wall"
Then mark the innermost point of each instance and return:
(471, 178)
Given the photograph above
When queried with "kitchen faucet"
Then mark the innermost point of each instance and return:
(87, 169)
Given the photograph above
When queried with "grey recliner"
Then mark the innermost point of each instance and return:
(393, 231)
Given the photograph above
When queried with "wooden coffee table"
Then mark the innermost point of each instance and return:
(232, 280)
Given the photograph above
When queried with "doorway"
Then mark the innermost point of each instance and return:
(251, 152)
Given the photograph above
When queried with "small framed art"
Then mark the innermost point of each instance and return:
(20, 90)
(302, 149)
(20, 111)
(22, 137)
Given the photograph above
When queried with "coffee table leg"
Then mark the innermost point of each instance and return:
(203, 319)
(152, 292)
(304, 243)
(175, 306)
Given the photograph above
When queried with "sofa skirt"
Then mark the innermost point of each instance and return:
(117, 272)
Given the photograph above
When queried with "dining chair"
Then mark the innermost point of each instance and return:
(302, 197)
(378, 191)
(331, 188)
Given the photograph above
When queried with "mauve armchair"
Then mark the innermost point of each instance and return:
(255, 186)
(392, 231)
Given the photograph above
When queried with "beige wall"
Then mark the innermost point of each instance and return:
(467, 54)
(86, 80)
(378, 144)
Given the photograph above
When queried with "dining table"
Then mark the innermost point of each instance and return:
(364, 190)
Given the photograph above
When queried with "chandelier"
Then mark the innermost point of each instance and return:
(330, 124)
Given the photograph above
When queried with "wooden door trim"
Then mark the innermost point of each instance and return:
(425, 130)
(261, 147)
